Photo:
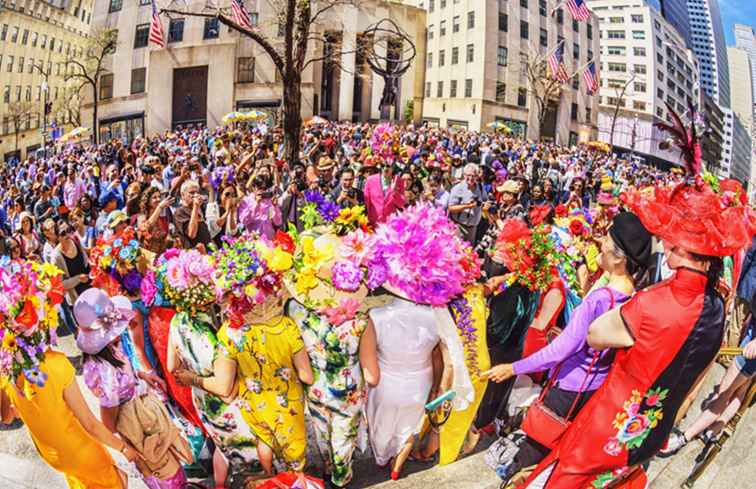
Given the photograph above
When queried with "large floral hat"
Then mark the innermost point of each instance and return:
(249, 271)
(119, 264)
(31, 292)
(701, 215)
(187, 280)
(324, 216)
(419, 255)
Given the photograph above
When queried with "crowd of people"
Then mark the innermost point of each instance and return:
(388, 290)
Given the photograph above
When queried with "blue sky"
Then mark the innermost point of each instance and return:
(736, 11)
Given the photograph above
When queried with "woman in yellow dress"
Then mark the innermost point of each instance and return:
(39, 385)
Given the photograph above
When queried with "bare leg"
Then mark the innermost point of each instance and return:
(402, 456)
(731, 382)
(732, 409)
(220, 468)
(265, 454)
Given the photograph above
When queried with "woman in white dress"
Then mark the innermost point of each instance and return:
(419, 352)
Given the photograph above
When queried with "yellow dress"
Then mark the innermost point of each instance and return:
(272, 397)
(59, 437)
(454, 431)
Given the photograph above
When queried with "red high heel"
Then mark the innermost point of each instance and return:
(394, 475)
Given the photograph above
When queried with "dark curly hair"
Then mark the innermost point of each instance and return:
(144, 201)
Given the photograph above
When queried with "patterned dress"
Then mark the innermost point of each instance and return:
(196, 342)
(337, 396)
(272, 399)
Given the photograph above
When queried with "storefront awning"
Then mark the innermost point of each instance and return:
(122, 117)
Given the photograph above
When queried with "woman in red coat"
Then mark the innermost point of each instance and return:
(665, 338)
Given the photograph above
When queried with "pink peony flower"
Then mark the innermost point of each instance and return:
(613, 447)
(343, 312)
(148, 288)
(199, 266)
(176, 274)
(356, 247)
(346, 275)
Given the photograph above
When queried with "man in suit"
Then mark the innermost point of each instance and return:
(384, 193)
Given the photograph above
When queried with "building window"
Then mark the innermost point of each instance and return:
(542, 8)
(14, 34)
(639, 69)
(544, 38)
(141, 36)
(639, 87)
(34, 39)
(620, 67)
(431, 5)
(18, 93)
(439, 89)
(43, 44)
(616, 50)
(575, 51)
(660, 75)
(523, 29)
(503, 22)
(115, 5)
(430, 60)
(638, 105)
(574, 111)
(560, 18)
(471, 19)
(575, 83)
(589, 31)
(455, 23)
(4, 32)
(639, 51)
(20, 65)
(39, 93)
(501, 56)
(453, 88)
(501, 92)
(9, 68)
(138, 78)
(212, 30)
(455, 56)
(441, 58)
(470, 53)
(616, 34)
(430, 32)
(27, 93)
(427, 89)
(575, 25)
(31, 65)
(522, 97)
(245, 70)
(636, 18)
(442, 28)
(616, 20)
(524, 3)
(25, 37)
(6, 94)
(106, 87)
(639, 35)
(442, 4)
(590, 55)
(468, 88)
(176, 30)
(588, 114)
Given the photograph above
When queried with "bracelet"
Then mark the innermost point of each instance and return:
(197, 382)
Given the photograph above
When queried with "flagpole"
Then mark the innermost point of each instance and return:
(580, 70)
(559, 4)
(553, 50)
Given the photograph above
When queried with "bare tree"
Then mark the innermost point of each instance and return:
(296, 30)
(619, 102)
(19, 113)
(88, 69)
(543, 87)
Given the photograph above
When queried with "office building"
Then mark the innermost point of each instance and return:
(736, 150)
(708, 44)
(477, 62)
(208, 70)
(645, 63)
(676, 13)
(36, 39)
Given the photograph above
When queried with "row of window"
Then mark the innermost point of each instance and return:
(470, 56)
(60, 68)
(452, 88)
(455, 25)
(28, 94)
(31, 38)
(634, 18)
(43, 12)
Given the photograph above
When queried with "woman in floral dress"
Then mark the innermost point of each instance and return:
(336, 398)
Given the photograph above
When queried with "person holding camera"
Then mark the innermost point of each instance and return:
(465, 202)
(258, 212)
(292, 201)
(345, 194)
(189, 219)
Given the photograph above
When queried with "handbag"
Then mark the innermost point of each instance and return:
(544, 425)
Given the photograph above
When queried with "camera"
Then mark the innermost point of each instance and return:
(351, 193)
(301, 185)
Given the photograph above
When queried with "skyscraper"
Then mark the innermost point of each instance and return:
(676, 13)
(707, 39)
(745, 39)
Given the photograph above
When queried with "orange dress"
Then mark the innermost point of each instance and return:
(59, 437)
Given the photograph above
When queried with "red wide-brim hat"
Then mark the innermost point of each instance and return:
(695, 217)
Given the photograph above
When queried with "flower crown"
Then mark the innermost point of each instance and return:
(118, 263)
(28, 319)
(187, 280)
(248, 271)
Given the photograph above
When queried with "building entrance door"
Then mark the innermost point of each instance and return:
(189, 95)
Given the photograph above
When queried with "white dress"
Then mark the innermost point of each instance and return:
(406, 334)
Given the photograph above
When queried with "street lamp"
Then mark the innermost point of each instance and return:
(45, 109)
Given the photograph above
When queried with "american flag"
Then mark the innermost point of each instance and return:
(156, 27)
(589, 75)
(240, 14)
(556, 64)
(578, 9)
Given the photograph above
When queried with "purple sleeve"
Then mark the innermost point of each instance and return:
(100, 378)
(569, 342)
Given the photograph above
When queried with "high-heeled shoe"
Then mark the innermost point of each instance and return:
(395, 475)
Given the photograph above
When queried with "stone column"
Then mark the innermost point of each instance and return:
(346, 75)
